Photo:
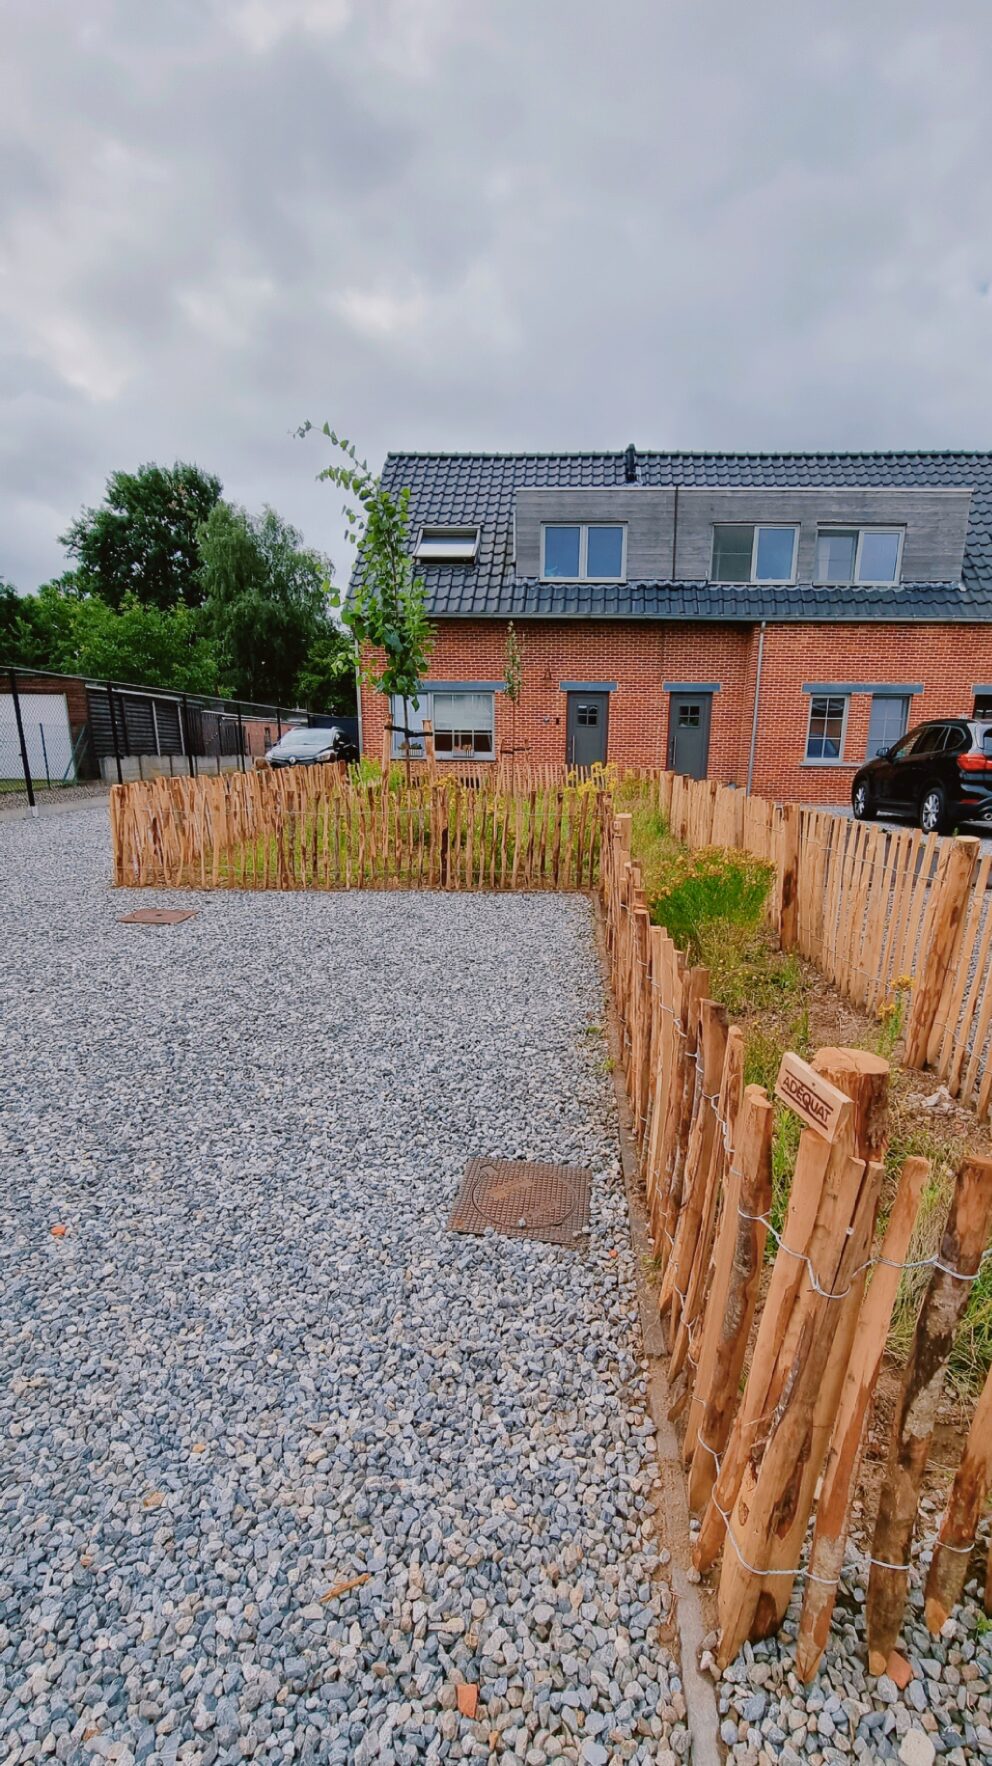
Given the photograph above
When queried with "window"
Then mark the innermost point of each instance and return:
(827, 717)
(889, 717)
(588, 716)
(907, 746)
(932, 739)
(983, 705)
(411, 718)
(463, 725)
(585, 551)
(688, 717)
(448, 545)
(858, 554)
(744, 553)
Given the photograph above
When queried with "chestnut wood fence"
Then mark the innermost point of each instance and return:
(757, 1451)
(878, 911)
(317, 828)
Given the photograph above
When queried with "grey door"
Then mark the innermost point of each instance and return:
(689, 733)
(587, 726)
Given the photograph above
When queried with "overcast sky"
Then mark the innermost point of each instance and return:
(480, 224)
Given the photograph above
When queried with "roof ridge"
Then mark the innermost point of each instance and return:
(690, 453)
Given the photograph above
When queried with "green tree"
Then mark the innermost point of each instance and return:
(13, 626)
(386, 610)
(266, 600)
(142, 540)
(71, 632)
(326, 682)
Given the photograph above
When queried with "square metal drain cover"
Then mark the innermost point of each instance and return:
(157, 916)
(524, 1200)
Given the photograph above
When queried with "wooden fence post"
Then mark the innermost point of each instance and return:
(942, 929)
(949, 1566)
(864, 1078)
(770, 1487)
(840, 1474)
(788, 877)
(734, 1295)
(961, 1249)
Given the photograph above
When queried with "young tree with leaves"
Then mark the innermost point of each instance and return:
(386, 611)
(513, 681)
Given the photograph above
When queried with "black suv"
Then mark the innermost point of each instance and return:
(941, 772)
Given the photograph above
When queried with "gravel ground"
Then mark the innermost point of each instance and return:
(944, 1714)
(255, 1366)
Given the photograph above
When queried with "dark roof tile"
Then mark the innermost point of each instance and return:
(482, 488)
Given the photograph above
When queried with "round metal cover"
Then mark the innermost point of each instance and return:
(508, 1199)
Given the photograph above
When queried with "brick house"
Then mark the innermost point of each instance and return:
(763, 619)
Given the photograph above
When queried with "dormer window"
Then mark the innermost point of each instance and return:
(584, 552)
(448, 545)
(746, 553)
(858, 554)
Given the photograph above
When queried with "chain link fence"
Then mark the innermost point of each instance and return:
(63, 735)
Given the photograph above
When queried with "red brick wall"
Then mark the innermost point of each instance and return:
(948, 660)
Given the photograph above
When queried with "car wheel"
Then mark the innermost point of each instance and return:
(861, 802)
(934, 818)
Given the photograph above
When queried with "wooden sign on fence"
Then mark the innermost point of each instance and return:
(818, 1103)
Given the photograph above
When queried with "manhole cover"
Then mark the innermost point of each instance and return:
(524, 1199)
(157, 916)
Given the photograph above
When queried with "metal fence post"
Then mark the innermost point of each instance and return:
(113, 734)
(44, 755)
(29, 785)
(186, 737)
(278, 724)
(241, 738)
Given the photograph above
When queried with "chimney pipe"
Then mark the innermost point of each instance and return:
(630, 464)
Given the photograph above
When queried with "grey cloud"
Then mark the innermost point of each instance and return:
(444, 223)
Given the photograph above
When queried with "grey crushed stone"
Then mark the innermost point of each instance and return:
(767, 1715)
(256, 1365)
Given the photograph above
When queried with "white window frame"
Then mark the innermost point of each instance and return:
(763, 582)
(467, 531)
(426, 710)
(583, 527)
(463, 692)
(857, 580)
(820, 760)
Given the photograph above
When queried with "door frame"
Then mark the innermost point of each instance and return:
(689, 690)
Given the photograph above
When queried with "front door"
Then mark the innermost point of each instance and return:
(586, 730)
(689, 733)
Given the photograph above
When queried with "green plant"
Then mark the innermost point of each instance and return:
(513, 683)
(386, 611)
(267, 601)
(143, 540)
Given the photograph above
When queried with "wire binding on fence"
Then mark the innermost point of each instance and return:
(863, 1560)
